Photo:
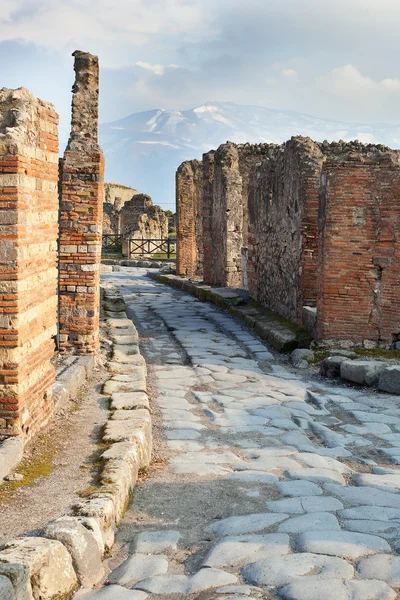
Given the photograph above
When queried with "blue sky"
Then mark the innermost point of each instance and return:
(337, 60)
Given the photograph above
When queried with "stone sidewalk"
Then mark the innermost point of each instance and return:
(278, 485)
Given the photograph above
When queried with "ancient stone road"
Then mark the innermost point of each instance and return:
(278, 485)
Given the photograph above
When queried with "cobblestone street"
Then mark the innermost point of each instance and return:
(277, 485)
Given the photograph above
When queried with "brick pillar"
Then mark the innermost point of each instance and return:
(81, 210)
(227, 218)
(359, 218)
(208, 177)
(187, 198)
(28, 260)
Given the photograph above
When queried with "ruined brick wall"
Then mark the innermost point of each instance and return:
(115, 196)
(226, 218)
(81, 215)
(283, 216)
(359, 279)
(28, 260)
(189, 189)
(140, 219)
(207, 207)
(233, 169)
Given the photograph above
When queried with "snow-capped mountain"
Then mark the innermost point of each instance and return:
(144, 149)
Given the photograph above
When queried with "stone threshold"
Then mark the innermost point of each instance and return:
(70, 552)
(283, 337)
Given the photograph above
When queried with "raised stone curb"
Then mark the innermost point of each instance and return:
(261, 320)
(145, 264)
(70, 551)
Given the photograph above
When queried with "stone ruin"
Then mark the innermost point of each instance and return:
(50, 216)
(115, 196)
(310, 229)
(132, 215)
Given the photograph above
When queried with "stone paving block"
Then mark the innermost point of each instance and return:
(243, 549)
(336, 589)
(385, 567)
(384, 482)
(344, 544)
(138, 567)
(111, 592)
(298, 488)
(129, 401)
(6, 589)
(245, 524)
(359, 496)
(280, 571)
(154, 542)
(310, 522)
(316, 475)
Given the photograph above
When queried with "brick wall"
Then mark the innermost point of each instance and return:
(359, 280)
(81, 215)
(207, 204)
(28, 260)
(189, 258)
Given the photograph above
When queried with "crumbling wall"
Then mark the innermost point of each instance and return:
(359, 230)
(115, 197)
(81, 215)
(28, 260)
(283, 215)
(207, 204)
(140, 219)
(189, 215)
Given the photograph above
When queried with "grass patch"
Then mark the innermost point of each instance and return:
(378, 353)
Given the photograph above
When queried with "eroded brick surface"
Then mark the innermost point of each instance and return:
(28, 259)
(189, 185)
(81, 215)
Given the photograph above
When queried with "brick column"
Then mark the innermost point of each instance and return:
(188, 188)
(28, 260)
(81, 215)
(208, 178)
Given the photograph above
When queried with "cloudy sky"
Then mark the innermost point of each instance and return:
(334, 59)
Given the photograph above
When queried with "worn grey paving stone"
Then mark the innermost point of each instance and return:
(386, 529)
(305, 504)
(316, 475)
(239, 550)
(208, 578)
(298, 488)
(6, 589)
(279, 571)
(384, 513)
(383, 482)
(245, 524)
(336, 589)
(164, 584)
(129, 401)
(324, 462)
(182, 434)
(385, 567)
(138, 567)
(345, 544)
(110, 592)
(310, 522)
(154, 542)
(360, 496)
(254, 476)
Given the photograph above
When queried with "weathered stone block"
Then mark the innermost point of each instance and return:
(363, 372)
(330, 367)
(82, 546)
(47, 565)
(389, 380)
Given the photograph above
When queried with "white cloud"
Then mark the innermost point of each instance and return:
(156, 69)
(289, 73)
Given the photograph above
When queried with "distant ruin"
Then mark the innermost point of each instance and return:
(310, 229)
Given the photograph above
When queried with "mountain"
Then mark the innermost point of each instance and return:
(144, 149)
